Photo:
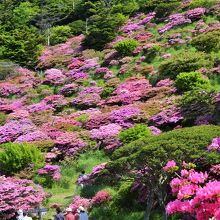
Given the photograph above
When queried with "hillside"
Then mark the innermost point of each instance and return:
(129, 92)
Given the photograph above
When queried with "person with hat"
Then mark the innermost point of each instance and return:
(82, 214)
(20, 215)
(69, 215)
(26, 217)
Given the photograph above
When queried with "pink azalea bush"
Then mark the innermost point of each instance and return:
(18, 194)
(54, 76)
(79, 201)
(215, 145)
(195, 195)
(101, 197)
(51, 170)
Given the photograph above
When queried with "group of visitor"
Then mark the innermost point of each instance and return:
(70, 215)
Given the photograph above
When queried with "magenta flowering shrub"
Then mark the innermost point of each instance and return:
(100, 198)
(195, 195)
(90, 64)
(78, 75)
(68, 89)
(165, 82)
(184, 18)
(215, 145)
(98, 119)
(129, 91)
(104, 72)
(170, 166)
(7, 89)
(18, 194)
(51, 170)
(13, 129)
(79, 201)
(9, 106)
(124, 116)
(88, 97)
(155, 130)
(54, 76)
(41, 106)
(32, 136)
(105, 132)
(55, 101)
(76, 63)
(170, 116)
(61, 53)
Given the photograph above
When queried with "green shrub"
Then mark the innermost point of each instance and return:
(202, 3)
(126, 46)
(207, 42)
(132, 134)
(195, 97)
(107, 91)
(15, 157)
(60, 34)
(2, 118)
(77, 27)
(82, 118)
(181, 144)
(44, 145)
(190, 81)
(152, 52)
(163, 8)
(185, 61)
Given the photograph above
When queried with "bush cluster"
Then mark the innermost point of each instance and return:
(185, 61)
(126, 46)
(207, 42)
(190, 81)
(132, 134)
(15, 157)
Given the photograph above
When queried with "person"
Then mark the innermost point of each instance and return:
(20, 215)
(26, 217)
(59, 215)
(69, 215)
(82, 176)
(82, 214)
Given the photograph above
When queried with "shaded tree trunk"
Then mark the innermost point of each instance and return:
(148, 206)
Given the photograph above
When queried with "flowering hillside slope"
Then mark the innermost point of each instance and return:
(151, 96)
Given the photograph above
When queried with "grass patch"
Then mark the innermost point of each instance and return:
(64, 191)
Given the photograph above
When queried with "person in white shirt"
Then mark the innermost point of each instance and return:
(25, 214)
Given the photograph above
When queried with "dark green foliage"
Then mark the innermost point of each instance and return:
(60, 34)
(202, 3)
(77, 27)
(102, 29)
(21, 45)
(152, 52)
(132, 134)
(207, 42)
(161, 7)
(196, 97)
(15, 157)
(182, 144)
(185, 62)
(107, 91)
(190, 81)
(125, 47)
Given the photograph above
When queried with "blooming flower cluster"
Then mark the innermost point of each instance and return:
(170, 116)
(215, 145)
(170, 166)
(101, 197)
(13, 129)
(7, 89)
(180, 19)
(18, 194)
(54, 76)
(68, 89)
(79, 201)
(195, 195)
(51, 170)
